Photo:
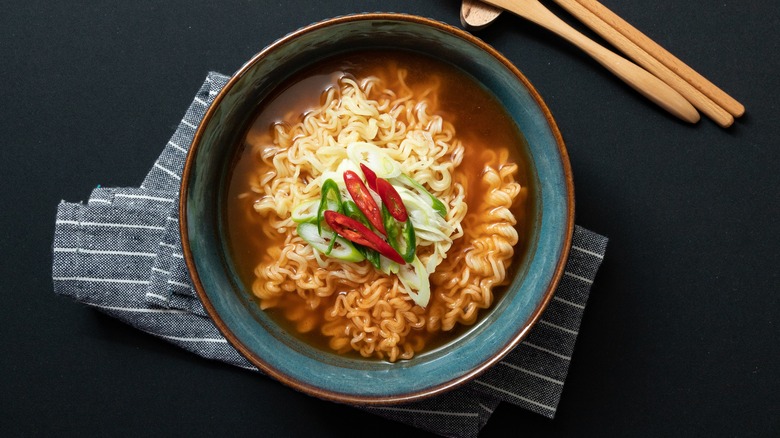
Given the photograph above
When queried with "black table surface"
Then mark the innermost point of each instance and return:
(680, 336)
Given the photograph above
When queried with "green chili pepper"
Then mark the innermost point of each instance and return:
(391, 225)
(351, 210)
(402, 239)
(329, 189)
(372, 256)
(410, 241)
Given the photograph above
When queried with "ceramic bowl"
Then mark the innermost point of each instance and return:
(343, 378)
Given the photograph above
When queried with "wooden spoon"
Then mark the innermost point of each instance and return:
(475, 14)
(639, 79)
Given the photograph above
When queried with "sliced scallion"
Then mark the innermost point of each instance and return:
(342, 249)
(436, 204)
(414, 278)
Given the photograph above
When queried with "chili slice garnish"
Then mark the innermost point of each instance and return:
(363, 199)
(391, 199)
(356, 232)
(410, 240)
(370, 176)
(403, 240)
(351, 210)
(329, 189)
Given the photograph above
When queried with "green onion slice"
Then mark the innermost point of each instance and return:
(342, 249)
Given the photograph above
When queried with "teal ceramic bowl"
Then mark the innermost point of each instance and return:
(348, 379)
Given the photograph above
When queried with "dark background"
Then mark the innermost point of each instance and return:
(680, 336)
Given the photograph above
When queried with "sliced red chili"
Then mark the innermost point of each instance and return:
(391, 199)
(363, 199)
(370, 176)
(354, 231)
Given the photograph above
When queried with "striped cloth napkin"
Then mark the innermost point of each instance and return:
(121, 254)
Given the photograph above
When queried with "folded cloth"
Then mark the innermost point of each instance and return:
(121, 253)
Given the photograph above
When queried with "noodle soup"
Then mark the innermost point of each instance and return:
(444, 132)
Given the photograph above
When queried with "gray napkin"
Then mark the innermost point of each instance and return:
(121, 253)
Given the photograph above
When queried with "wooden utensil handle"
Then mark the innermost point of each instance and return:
(670, 61)
(699, 100)
(639, 79)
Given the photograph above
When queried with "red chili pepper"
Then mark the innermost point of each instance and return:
(363, 199)
(391, 199)
(370, 176)
(354, 231)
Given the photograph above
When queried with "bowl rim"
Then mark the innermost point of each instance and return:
(448, 384)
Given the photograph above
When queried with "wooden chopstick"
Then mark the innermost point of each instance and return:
(694, 78)
(702, 94)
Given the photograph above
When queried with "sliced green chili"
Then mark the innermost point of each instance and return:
(351, 210)
(401, 237)
(329, 188)
(330, 191)
(372, 256)
(409, 240)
